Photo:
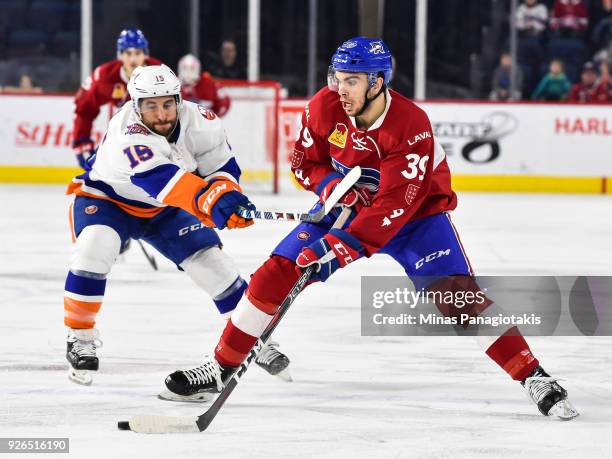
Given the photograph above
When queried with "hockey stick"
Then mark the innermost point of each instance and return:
(150, 258)
(340, 190)
(167, 424)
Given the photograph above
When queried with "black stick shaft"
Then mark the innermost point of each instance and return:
(205, 419)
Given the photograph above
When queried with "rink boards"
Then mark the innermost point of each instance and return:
(490, 146)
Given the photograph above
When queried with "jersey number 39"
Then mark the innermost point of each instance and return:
(416, 166)
(137, 154)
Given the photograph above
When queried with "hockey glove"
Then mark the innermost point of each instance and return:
(218, 202)
(334, 250)
(357, 198)
(84, 152)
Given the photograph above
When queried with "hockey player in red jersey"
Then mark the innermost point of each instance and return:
(400, 208)
(107, 84)
(199, 87)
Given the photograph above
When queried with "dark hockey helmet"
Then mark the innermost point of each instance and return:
(361, 54)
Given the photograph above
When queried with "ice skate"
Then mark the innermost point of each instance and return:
(81, 346)
(548, 395)
(274, 361)
(200, 384)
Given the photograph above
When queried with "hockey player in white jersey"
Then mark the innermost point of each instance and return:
(164, 173)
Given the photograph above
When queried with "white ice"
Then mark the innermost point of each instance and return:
(352, 396)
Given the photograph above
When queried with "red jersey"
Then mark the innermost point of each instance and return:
(604, 90)
(583, 93)
(569, 14)
(401, 163)
(209, 93)
(107, 83)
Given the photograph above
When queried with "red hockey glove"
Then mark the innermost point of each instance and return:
(357, 198)
(333, 251)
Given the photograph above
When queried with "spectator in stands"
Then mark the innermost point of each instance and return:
(554, 86)
(604, 89)
(531, 18)
(570, 17)
(604, 55)
(26, 86)
(586, 90)
(228, 66)
(500, 87)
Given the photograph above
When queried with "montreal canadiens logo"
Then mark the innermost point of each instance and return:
(303, 235)
(206, 113)
(91, 210)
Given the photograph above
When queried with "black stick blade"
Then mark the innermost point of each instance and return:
(123, 425)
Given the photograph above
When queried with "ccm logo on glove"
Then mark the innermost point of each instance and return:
(216, 189)
(218, 202)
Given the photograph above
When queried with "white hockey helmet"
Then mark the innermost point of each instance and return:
(189, 69)
(153, 81)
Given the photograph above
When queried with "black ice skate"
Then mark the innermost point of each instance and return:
(81, 346)
(274, 361)
(550, 397)
(200, 384)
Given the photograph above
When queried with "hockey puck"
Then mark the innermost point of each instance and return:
(123, 425)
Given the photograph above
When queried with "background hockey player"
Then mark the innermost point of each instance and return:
(401, 206)
(163, 173)
(107, 84)
(200, 87)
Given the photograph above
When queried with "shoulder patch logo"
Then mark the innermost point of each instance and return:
(206, 113)
(338, 137)
(136, 129)
(118, 91)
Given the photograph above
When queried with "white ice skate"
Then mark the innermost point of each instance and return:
(81, 346)
(548, 395)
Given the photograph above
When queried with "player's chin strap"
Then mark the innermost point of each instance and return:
(367, 102)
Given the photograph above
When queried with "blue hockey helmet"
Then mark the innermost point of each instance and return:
(132, 38)
(361, 54)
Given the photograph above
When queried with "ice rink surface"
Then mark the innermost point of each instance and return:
(352, 396)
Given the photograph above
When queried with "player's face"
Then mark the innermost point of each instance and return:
(352, 88)
(132, 58)
(159, 114)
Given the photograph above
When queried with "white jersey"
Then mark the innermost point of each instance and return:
(143, 172)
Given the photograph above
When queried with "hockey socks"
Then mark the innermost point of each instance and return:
(83, 295)
(268, 287)
(511, 352)
(226, 302)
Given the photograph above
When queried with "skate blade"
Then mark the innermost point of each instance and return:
(201, 397)
(563, 410)
(83, 377)
(285, 375)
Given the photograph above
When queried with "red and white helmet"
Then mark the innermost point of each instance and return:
(189, 69)
(153, 81)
